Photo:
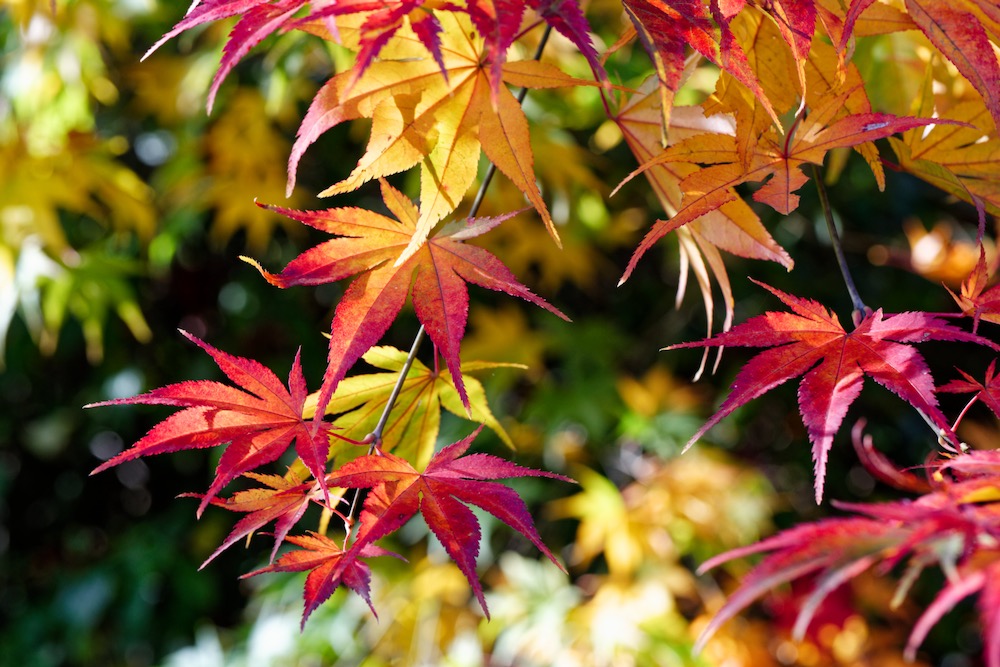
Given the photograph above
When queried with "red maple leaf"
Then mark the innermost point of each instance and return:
(257, 422)
(258, 19)
(284, 502)
(369, 244)
(988, 392)
(810, 341)
(329, 567)
(951, 527)
(441, 494)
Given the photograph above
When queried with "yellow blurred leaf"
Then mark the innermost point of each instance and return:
(246, 155)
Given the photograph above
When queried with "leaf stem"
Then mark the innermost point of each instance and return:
(375, 437)
(376, 434)
(860, 309)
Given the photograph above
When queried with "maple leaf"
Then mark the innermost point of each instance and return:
(258, 422)
(778, 160)
(412, 428)
(988, 392)
(975, 300)
(284, 502)
(734, 227)
(329, 567)
(442, 123)
(441, 494)
(258, 19)
(369, 244)
(810, 341)
(962, 31)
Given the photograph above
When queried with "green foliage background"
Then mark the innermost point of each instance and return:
(123, 209)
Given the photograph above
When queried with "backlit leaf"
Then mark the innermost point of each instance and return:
(256, 422)
(370, 244)
(810, 342)
(441, 493)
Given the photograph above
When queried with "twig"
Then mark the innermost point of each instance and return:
(374, 439)
(860, 309)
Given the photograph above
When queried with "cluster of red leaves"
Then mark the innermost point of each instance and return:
(954, 525)
(497, 21)
(257, 424)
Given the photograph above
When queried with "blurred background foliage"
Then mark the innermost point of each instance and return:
(123, 209)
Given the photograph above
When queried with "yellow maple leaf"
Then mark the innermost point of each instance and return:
(960, 159)
(412, 429)
(440, 122)
(246, 152)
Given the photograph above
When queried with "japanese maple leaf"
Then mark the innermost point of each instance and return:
(441, 123)
(413, 425)
(257, 422)
(976, 299)
(988, 391)
(329, 566)
(370, 244)
(775, 159)
(965, 31)
(810, 342)
(441, 494)
(258, 19)
(284, 501)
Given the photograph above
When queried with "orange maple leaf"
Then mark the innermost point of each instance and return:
(370, 244)
(439, 122)
(975, 299)
(777, 160)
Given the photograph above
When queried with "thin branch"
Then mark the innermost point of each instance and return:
(376, 434)
(860, 309)
(374, 439)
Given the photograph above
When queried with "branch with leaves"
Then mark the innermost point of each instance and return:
(435, 81)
